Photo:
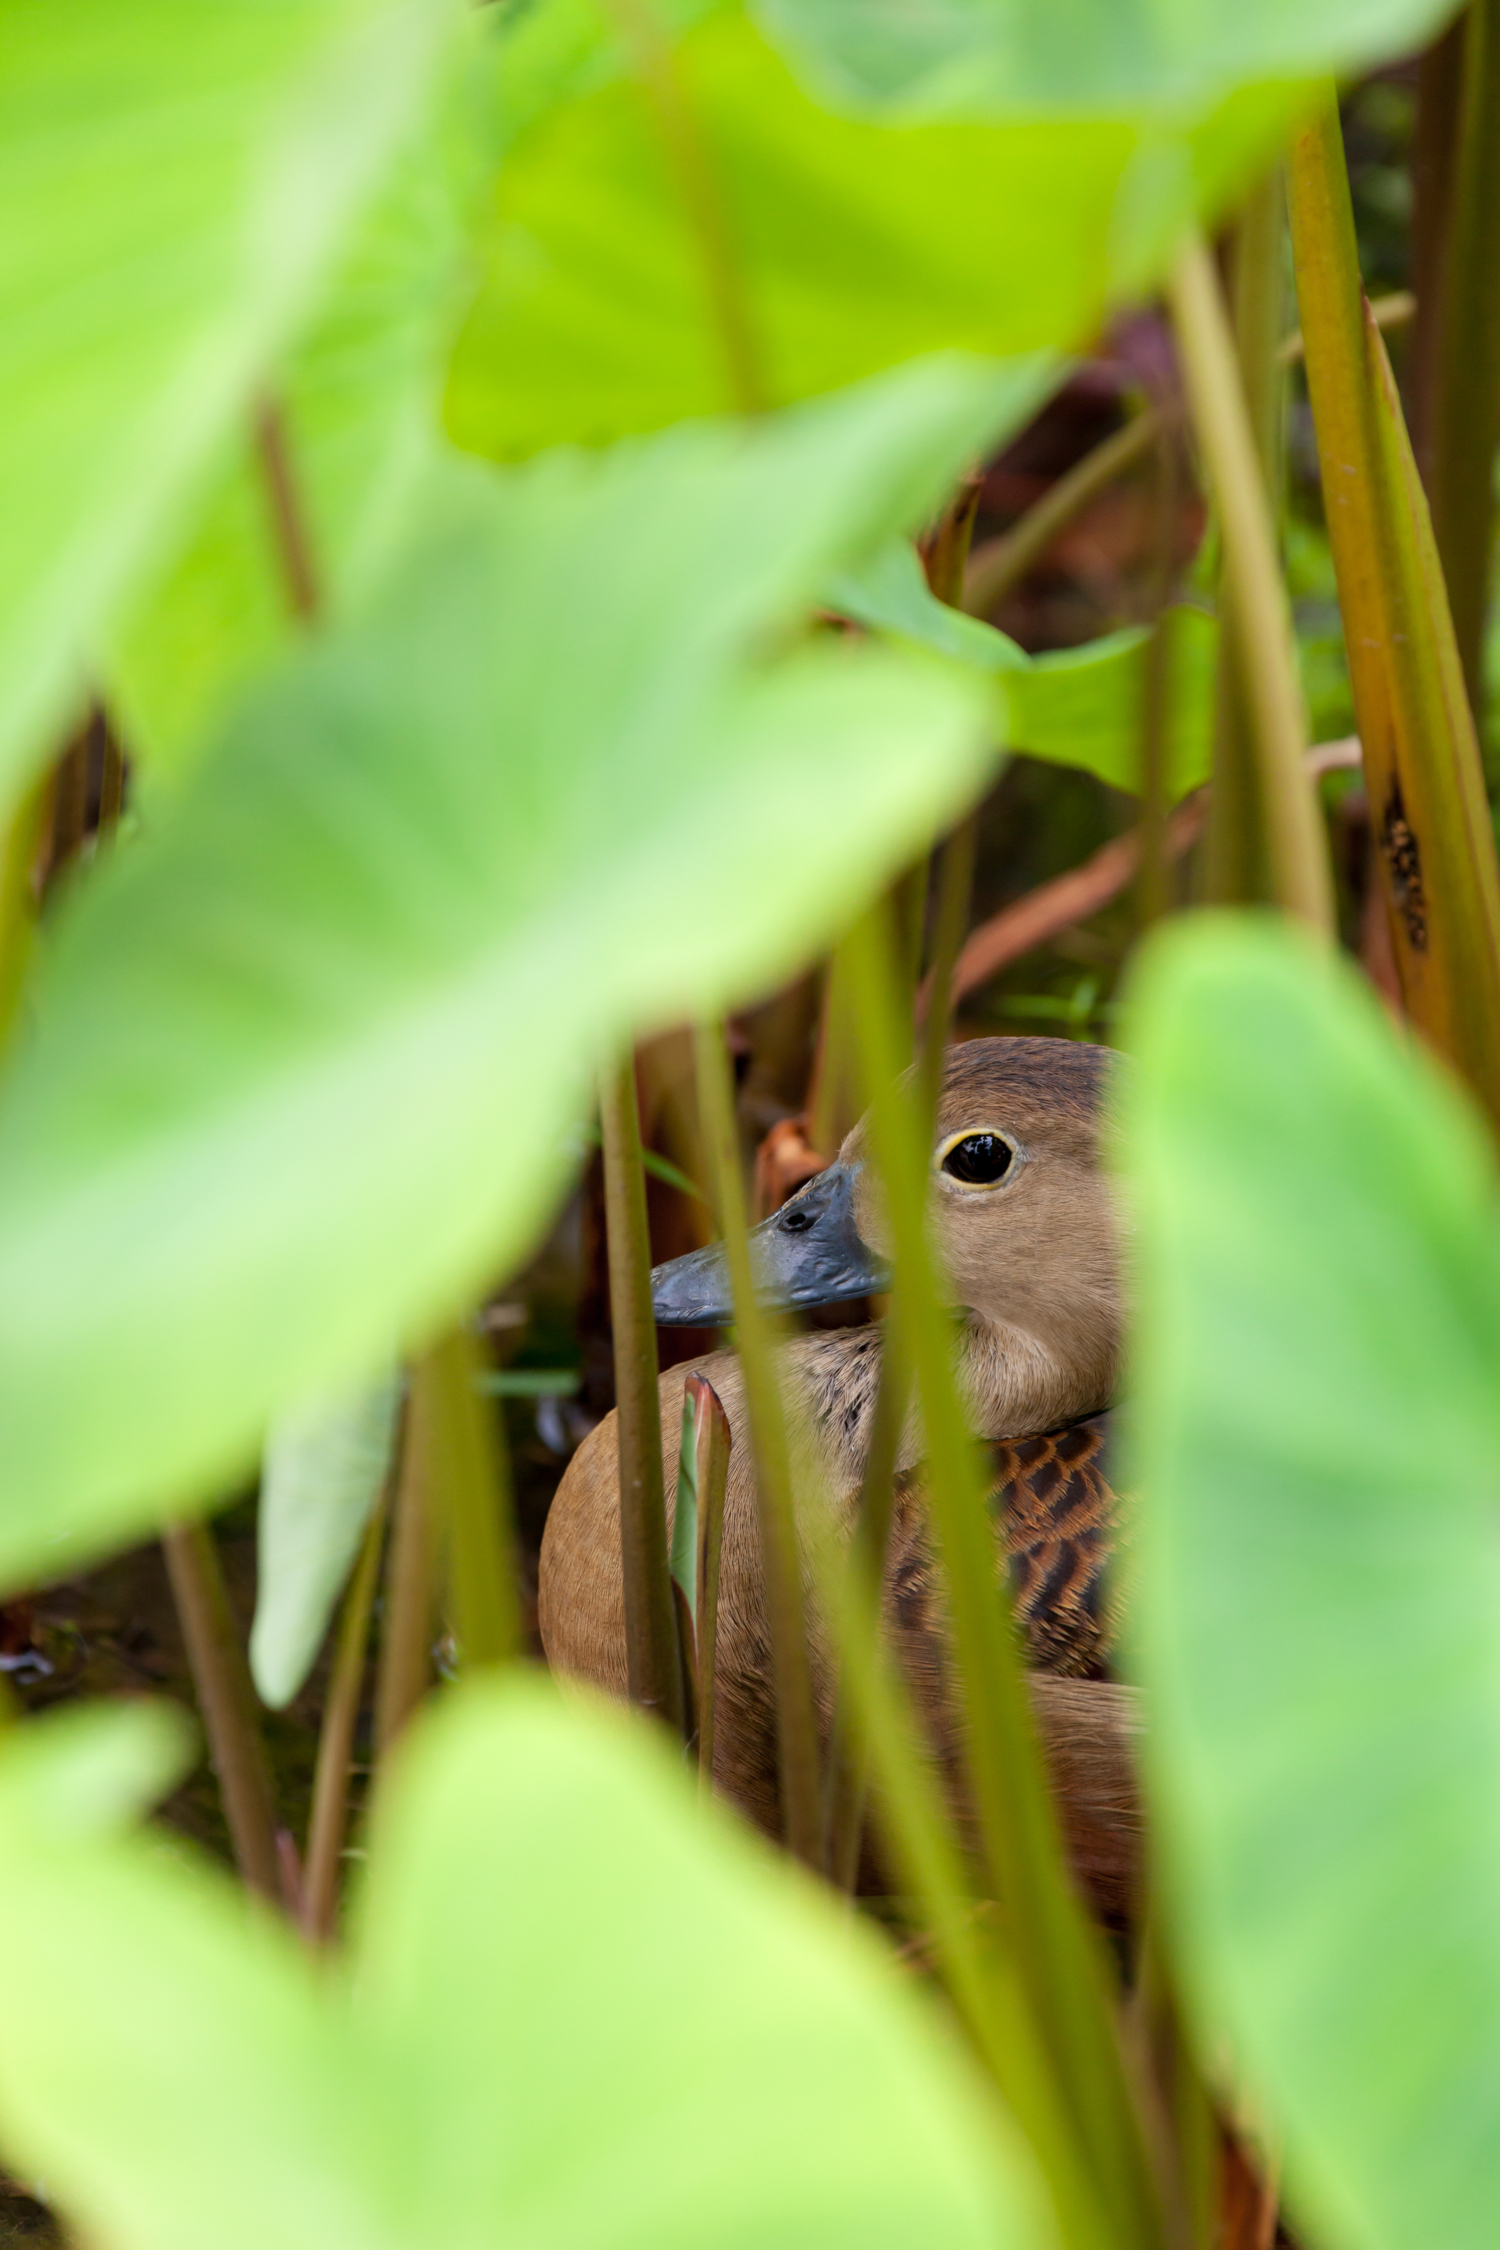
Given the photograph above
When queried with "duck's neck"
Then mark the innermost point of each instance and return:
(1013, 1384)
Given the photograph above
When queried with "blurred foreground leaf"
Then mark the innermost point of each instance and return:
(1011, 58)
(358, 399)
(582, 2009)
(307, 1060)
(174, 176)
(1318, 1585)
(323, 1471)
(852, 243)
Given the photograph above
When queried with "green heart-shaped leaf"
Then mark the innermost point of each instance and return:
(582, 2010)
(175, 179)
(308, 1058)
(850, 242)
(1318, 1455)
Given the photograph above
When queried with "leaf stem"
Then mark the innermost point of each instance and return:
(226, 1699)
(288, 517)
(330, 1802)
(1464, 427)
(974, 1950)
(460, 1434)
(405, 1668)
(1000, 565)
(1235, 868)
(1258, 608)
(1057, 1950)
(653, 1661)
(781, 1566)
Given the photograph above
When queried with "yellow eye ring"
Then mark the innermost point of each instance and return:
(977, 1158)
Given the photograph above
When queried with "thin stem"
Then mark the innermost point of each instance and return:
(1261, 617)
(975, 1957)
(330, 1801)
(846, 1780)
(18, 857)
(945, 554)
(1235, 865)
(946, 560)
(1151, 896)
(459, 1430)
(288, 517)
(226, 1699)
(1434, 152)
(955, 895)
(405, 1669)
(1057, 1950)
(697, 1544)
(1465, 421)
(653, 1661)
(1001, 564)
(702, 200)
(781, 1566)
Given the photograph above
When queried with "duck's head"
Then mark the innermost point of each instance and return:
(1021, 1207)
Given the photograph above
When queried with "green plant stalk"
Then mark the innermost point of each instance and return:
(1001, 564)
(833, 1099)
(945, 553)
(1433, 165)
(974, 1952)
(330, 1800)
(1422, 766)
(405, 1668)
(711, 1462)
(1183, 2124)
(780, 1557)
(653, 1659)
(1058, 1950)
(1258, 611)
(697, 1542)
(846, 1777)
(1152, 893)
(1234, 858)
(461, 1435)
(1465, 421)
(22, 840)
(226, 1699)
(288, 517)
(950, 926)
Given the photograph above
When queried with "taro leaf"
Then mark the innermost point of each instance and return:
(888, 592)
(358, 399)
(856, 244)
(1084, 706)
(308, 1059)
(323, 1471)
(581, 2008)
(1317, 1376)
(174, 176)
(1077, 707)
(1012, 58)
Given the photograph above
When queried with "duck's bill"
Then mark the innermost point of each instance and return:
(808, 1253)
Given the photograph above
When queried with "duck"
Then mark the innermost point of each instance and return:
(1030, 1246)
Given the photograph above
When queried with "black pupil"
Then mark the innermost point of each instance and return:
(979, 1158)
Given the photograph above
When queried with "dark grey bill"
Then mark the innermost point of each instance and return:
(807, 1253)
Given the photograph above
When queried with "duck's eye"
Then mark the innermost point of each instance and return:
(978, 1159)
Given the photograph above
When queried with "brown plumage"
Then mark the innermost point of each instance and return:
(1033, 1262)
